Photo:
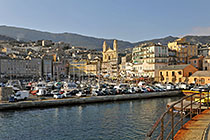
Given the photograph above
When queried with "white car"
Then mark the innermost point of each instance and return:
(170, 87)
(182, 86)
(20, 95)
(58, 96)
(80, 94)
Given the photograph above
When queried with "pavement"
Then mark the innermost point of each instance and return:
(196, 129)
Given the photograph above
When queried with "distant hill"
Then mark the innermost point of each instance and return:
(163, 41)
(75, 39)
(3, 37)
(198, 39)
(84, 41)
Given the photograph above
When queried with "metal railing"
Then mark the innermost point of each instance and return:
(191, 107)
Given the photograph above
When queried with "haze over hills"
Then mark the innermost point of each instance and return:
(83, 41)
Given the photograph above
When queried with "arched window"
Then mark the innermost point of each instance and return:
(202, 81)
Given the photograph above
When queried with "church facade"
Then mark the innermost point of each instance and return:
(110, 65)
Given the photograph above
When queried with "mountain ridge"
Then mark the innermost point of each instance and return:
(75, 39)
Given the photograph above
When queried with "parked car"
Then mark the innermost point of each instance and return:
(182, 86)
(80, 94)
(55, 91)
(58, 96)
(170, 87)
(20, 95)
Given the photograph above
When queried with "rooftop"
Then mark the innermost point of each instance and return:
(201, 74)
(175, 67)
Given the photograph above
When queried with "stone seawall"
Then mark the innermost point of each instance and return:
(83, 100)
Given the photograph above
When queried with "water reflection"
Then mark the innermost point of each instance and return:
(106, 121)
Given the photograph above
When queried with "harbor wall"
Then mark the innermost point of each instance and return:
(84, 100)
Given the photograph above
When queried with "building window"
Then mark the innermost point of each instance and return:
(173, 73)
(202, 81)
(205, 68)
(180, 72)
(180, 79)
(195, 61)
(109, 57)
(166, 73)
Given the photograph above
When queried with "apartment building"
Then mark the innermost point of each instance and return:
(197, 62)
(20, 68)
(93, 67)
(204, 50)
(206, 63)
(77, 68)
(149, 58)
(47, 69)
(184, 50)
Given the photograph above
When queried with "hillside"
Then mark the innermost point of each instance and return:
(3, 37)
(74, 39)
(163, 41)
(84, 41)
(198, 39)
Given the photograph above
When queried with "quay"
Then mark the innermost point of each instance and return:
(196, 129)
(84, 100)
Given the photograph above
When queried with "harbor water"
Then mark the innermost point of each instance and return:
(126, 120)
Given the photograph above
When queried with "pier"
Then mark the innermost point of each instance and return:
(196, 129)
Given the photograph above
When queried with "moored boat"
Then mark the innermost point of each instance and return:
(190, 92)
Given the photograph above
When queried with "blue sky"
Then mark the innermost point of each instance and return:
(131, 20)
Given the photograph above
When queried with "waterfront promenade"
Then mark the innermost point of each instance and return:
(196, 129)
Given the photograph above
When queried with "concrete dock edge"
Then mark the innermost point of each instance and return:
(84, 100)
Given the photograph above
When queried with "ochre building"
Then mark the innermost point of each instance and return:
(200, 77)
(184, 50)
(176, 73)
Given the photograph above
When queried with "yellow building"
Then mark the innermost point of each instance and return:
(93, 67)
(110, 60)
(200, 77)
(77, 67)
(184, 50)
(176, 73)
